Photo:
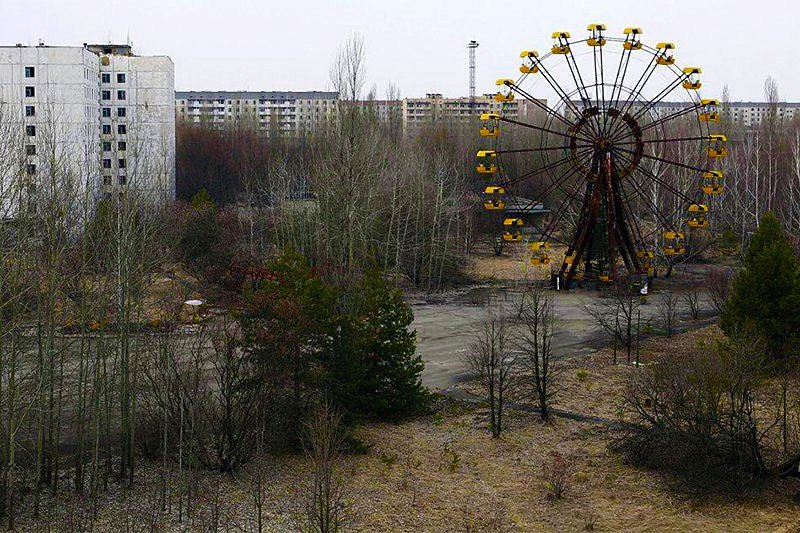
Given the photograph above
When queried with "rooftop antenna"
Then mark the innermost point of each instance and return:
(472, 45)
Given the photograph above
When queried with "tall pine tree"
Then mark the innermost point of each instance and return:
(765, 295)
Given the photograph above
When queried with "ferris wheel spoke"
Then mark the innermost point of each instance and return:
(558, 89)
(661, 95)
(540, 170)
(550, 112)
(581, 86)
(528, 204)
(542, 129)
(635, 92)
(671, 116)
(671, 139)
(663, 183)
(540, 149)
(561, 211)
(650, 205)
(618, 82)
(667, 161)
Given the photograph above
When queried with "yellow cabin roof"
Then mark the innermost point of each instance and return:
(512, 222)
(666, 46)
(494, 189)
(634, 31)
(709, 101)
(692, 70)
(718, 137)
(712, 174)
(486, 153)
(562, 34)
(698, 208)
(489, 116)
(597, 26)
(504, 81)
(529, 53)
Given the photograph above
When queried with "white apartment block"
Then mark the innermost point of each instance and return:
(437, 108)
(745, 113)
(286, 113)
(100, 114)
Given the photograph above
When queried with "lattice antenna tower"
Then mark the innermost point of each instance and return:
(472, 45)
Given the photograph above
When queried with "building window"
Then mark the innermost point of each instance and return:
(120, 95)
(106, 112)
(30, 149)
(31, 168)
(105, 77)
(122, 146)
(30, 92)
(121, 112)
(122, 179)
(106, 163)
(105, 95)
(30, 131)
(121, 129)
(30, 111)
(106, 180)
(121, 77)
(121, 163)
(106, 129)
(30, 72)
(106, 146)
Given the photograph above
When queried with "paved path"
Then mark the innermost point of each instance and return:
(447, 325)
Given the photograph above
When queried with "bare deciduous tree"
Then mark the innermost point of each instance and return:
(538, 374)
(490, 363)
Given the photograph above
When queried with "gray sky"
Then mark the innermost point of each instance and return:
(419, 45)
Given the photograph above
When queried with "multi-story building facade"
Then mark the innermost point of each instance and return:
(745, 113)
(292, 113)
(103, 116)
(277, 112)
(435, 107)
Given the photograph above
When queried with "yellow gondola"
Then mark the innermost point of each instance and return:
(493, 198)
(698, 216)
(540, 256)
(561, 46)
(673, 243)
(713, 182)
(504, 97)
(646, 260)
(533, 68)
(692, 82)
(665, 56)
(596, 38)
(632, 39)
(490, 126)
(487, 162)
(512, 229)
(716, 148)
(710, 113)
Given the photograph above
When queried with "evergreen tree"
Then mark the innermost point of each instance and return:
(390, 368)
(765, 295)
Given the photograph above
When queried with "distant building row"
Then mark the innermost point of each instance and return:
(291, 113)
(96, 114)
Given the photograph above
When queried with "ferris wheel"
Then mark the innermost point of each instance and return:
(623, 152)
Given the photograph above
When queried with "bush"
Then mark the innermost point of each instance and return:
(693, 415)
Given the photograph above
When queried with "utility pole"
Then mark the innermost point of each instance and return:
(472, 45)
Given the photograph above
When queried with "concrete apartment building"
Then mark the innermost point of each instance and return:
(745, 113)
(435, 107)
(292, 113)
(106, 114)
(285, 113)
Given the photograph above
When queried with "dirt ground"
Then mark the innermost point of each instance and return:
(444, 472)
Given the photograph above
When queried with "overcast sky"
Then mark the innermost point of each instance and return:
(420, 45)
